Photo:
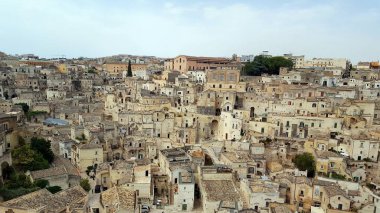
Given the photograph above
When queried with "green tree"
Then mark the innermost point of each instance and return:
(44, 147)
(305, 161)
(8, 194)
(264, 64)
(275, 63)
(23, 156)
(54, 189)
(8, 172)
(129, 73)
(21, 141)
(26, 158)
(19, 180)
(24, 181)
(85, 184)
(257, 66)
(91, 70)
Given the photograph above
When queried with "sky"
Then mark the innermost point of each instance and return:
(94, 28)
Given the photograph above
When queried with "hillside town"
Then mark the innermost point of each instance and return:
(246, 133)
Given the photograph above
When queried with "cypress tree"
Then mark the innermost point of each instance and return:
(129, 73)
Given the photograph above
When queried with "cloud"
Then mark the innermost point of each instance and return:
(168, 28)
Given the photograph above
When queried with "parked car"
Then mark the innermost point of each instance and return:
(344, 154)
(158, 202)
(145, 209)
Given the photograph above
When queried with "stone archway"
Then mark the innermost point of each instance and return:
(5, 171)
(214, 127)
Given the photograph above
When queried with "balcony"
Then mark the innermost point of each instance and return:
(6, 131)
(9, 130)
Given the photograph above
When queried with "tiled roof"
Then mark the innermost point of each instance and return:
(63, 167)
(220, 190)
(54, 171)
(43, 199)
(328, 154)
(334, 191)
(118, 196)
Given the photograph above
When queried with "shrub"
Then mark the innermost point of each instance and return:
(85, 184)
(54, 189)
(304, 162)
(44, 147)
(41, 183)
(9, 194)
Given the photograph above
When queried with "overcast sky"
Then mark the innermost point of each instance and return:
(324, 28)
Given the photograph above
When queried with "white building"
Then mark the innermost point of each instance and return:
(260, 193)
(198, 76)
(247, 58)
(362, 149)
(327, 63)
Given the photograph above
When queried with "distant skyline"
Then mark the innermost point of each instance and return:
(95, 28)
